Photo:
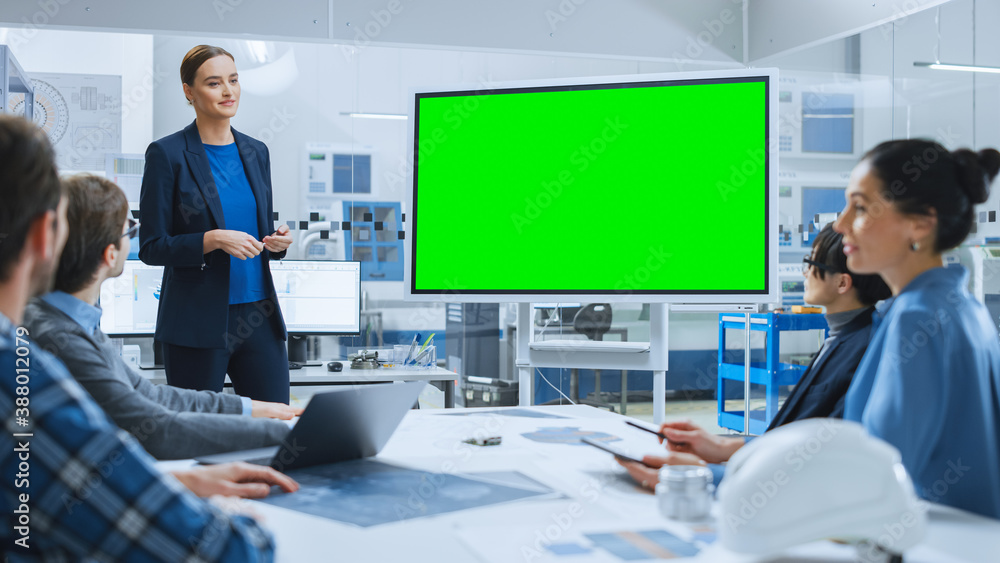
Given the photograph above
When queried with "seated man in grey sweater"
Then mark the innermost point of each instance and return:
(171, 423)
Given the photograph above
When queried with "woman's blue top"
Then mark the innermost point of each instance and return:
(929, 384)
(239, 207)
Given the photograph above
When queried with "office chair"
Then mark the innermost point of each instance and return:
(593, 321)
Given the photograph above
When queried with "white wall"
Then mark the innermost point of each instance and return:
(708, 30)
(125, 55)
(784, 26)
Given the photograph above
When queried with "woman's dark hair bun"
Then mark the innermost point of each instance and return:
(976, 172)
(989, 161)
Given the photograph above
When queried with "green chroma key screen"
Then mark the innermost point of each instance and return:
(645, 187)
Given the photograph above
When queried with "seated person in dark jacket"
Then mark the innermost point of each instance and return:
(849, 300)
(171, 423)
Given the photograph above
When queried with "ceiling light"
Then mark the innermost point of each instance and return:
(967, 68)
(367, 115)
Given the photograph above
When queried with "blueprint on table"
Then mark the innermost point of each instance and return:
(368, 493)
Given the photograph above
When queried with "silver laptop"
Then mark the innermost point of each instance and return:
(350, 423)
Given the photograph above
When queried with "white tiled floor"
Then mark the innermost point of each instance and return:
(701, 412)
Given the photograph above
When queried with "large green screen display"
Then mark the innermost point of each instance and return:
(639, 188)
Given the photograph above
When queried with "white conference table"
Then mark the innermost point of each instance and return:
(596, 497)
(319, 375)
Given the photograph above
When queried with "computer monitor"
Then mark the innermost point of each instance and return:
(640, 188)
(319, 296)
(316, 297)
(130, 301)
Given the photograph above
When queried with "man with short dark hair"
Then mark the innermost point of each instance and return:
(171, 423)
(74, 487)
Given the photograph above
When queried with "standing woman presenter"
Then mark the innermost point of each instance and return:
(206, 216)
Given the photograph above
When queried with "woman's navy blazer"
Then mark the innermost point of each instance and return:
(178, 204)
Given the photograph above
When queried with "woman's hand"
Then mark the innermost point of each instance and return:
(648, 477)
(234, 480)
(279, 241)
(685, 437)
(233, 243)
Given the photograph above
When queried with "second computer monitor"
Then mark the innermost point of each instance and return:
(319, 296)
(316, 297)
(130, 301)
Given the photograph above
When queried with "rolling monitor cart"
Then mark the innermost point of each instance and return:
(317, 297)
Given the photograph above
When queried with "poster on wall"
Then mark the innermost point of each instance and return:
(82, 114)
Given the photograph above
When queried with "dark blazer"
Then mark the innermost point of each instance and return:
(178, 204)
(820, 393)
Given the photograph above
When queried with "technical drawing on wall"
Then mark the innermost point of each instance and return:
(82, 115)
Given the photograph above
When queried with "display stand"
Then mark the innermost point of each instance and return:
(651, 356)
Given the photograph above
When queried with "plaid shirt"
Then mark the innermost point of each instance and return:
(93, 492)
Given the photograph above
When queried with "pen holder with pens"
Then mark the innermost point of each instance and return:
(422, 358)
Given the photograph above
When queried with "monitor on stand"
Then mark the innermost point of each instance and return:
(317, 297)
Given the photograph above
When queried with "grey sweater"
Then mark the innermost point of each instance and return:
(171, 423)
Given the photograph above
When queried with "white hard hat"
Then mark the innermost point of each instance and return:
(818, 479)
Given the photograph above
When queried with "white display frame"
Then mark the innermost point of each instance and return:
(773, 287)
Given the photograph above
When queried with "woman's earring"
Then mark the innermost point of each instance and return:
(914, 246)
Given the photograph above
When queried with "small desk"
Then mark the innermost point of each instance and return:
(319, 375)
(596, 496)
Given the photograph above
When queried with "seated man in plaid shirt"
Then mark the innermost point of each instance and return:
(72, 486)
